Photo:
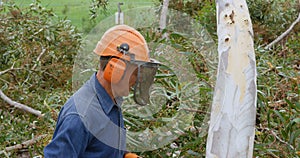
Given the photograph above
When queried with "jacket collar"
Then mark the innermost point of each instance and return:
(105, 100)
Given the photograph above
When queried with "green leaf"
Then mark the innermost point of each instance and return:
(296, 120)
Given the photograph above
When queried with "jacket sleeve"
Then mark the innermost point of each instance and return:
(70, 138)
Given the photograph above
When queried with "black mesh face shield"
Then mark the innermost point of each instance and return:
(145, 75)
(145, 78)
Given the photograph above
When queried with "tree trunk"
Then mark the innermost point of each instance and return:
(163, 17)
(232, 120)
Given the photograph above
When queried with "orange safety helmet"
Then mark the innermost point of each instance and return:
(118, 35)
(124, 45)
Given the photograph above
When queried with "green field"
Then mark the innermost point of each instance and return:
(77, 11)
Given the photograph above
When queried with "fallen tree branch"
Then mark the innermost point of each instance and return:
(23, 145)
(284, 34)
(19, 105)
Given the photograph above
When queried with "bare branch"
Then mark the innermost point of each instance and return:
(24, 144)
(284, 34)
(279, 139)
(5, 71)
(10, 69)
(20, 106)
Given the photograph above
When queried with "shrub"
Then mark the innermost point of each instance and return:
(38, 49)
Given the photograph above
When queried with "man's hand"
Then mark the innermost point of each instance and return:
(131, 155)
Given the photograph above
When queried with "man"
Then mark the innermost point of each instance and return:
(91, 124)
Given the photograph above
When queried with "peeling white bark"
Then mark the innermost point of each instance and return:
(232, 121)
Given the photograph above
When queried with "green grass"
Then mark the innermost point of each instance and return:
(77, 11)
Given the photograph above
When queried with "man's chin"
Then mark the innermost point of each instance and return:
(122, 94)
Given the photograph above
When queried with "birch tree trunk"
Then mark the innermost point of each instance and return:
(232, 120)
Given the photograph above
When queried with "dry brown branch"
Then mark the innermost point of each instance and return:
(19, 105)
(284, 34)
(23, 145)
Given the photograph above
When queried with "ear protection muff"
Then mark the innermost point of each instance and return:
(114, 70)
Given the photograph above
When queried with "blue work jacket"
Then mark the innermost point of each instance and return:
(89, 125)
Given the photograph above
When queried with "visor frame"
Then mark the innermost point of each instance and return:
(145, 79)
(139, 83)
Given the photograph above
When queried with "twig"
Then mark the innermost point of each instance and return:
(279, 139)
(23, 145)
(38, 58)
(284, 34)
(20, 106)
(273, 155)
(282, 141)
(7, 70)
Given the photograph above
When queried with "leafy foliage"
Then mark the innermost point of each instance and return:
(270, 18)
(39, 46)
(278, 104)
(204, 11)
(98, 5)
(38, 50)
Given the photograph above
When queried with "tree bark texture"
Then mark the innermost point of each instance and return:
(163, 17)
(232, 120)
